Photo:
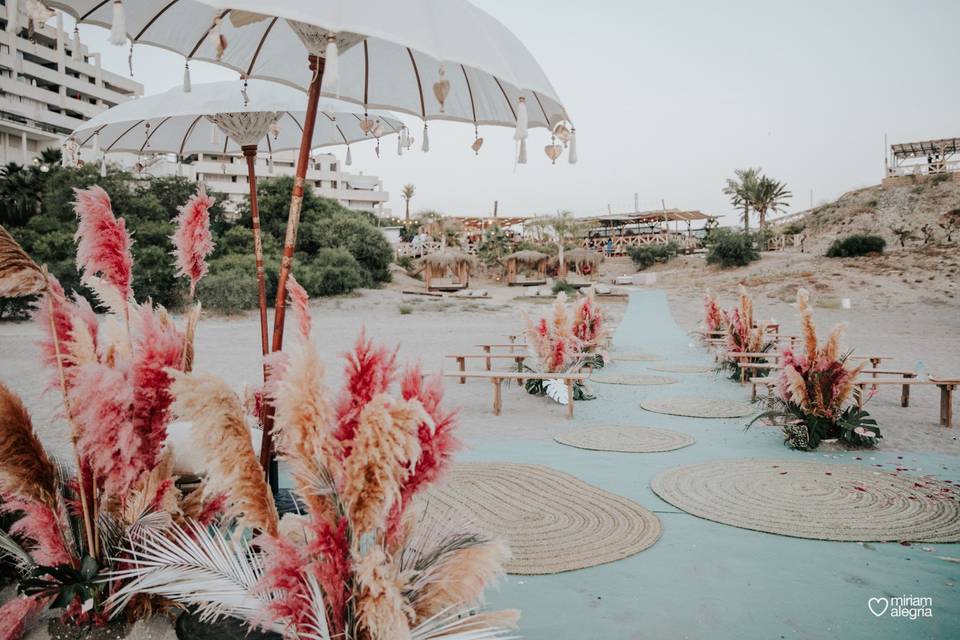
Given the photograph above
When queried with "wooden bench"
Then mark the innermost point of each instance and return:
(946, 386)
(497, 378)
(770, 381)
(874, 360)
(513, 345)
(461, 359)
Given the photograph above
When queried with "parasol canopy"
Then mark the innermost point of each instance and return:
(213, 119)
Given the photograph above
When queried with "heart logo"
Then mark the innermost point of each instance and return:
(878, 606)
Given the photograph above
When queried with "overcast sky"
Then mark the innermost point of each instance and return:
(669, 98)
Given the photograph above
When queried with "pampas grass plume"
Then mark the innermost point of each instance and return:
(459, 578)
(103, 243)
(25, 469)
(19, 274)
(192, 239)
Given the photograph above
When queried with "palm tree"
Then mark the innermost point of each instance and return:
(769, 195)
(408, 191)
(741, 191)
(565, 227)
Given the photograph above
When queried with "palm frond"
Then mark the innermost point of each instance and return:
(10, 548)
(316, 628)
(466, 624)
(193, 565)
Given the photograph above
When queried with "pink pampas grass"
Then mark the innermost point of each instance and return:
(103, 243)
(61, 319)
(192, 239)
(40, 525)
(301, 307)
(18, 615)
(370, 371)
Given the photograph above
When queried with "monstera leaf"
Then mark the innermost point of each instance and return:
(557, 390)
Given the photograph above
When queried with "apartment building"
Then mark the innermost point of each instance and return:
(45, 90)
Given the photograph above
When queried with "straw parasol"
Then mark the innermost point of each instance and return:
(533, 260)
(458, 263)
(578, 259)
(215, 118)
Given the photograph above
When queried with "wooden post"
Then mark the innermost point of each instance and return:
(569, 383)
(462, 363)
(289, 245)
(905, 392)
(250, 153)
(497, 395)
(946, 404)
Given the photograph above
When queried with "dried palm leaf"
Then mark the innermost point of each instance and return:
(25, 469)
(19, 274)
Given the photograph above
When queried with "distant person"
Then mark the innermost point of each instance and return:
(609, 247)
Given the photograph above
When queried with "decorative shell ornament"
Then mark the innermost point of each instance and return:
(557, 391)
(441, 88)
(275, 129)
(553, 152)
(366, 125)
(562, 132)
(476, 145)
(377, 130)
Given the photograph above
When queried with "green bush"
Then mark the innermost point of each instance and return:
(564, 286)
(856, 245)
(229, 291)
(731, 249)
(330, 272)
(647, 255)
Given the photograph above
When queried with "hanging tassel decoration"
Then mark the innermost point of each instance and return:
(441, 88)
(187, 84)
(349, 157)
(572, 153)
(75, 52)
(220, 40)
(13, 16)
(401, 141)
(378, 147)
(522, 156)
(477, 141)
(103, 166)
(270, 164)
(520, 133)
(243, 92)
(426, 139)
(130, 59)
(275, 129)
(331, 67)
(118, 27)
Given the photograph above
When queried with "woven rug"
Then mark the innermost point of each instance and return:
(626, 439)
(815, 500)
(682, 368)
(552, 521)
(605, 377)
(698, 407)
(633, 356)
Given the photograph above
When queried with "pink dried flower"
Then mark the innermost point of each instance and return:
(69, 317)
(18, 615)
(40, 525)
(192, 239)
(103, 243)
(301, 306)
(369, 372)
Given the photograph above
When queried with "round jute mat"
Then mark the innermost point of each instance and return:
(633, 356)
(815, 500)
(698, 407)
(605, 377)
(626, 439)
(682, 368)
(551, 520)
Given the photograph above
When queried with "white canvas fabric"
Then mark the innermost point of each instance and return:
(390, 51)
(180, 123)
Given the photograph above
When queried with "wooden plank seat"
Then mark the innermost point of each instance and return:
(513, 345)
(946, 385)
(461, 359)
(497, 378)
(771, 381)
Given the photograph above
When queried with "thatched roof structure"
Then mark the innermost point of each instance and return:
(582, 256)
(448, 259)
(527, 257)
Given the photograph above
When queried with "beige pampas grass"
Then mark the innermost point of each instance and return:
(831, 351)
(806, 323)
(19, 274)
(25, 469)
(155, 491)
(381, 608)
(383, 450)
(459, 578)
(221, 433)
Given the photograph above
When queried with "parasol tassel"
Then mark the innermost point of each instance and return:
(400, 142)
(13, 16)
(220, 39)
(76, 53)
(522, 157)
(331, 67)
(103, 166)
(349, 157)
(426, 139)
(270, 164)
(520, 133)
(187, 84)
(118, 27)
(572, 154)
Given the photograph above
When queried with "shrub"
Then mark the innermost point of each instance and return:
(330, 272)
(645, 256)
(405, 309)
(731, 249)
(406, 263)
(564, 287)
(228, 291)
(856, 245)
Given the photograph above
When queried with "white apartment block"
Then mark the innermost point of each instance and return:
(44, 93)
(228, 175)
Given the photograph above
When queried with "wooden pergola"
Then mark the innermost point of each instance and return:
(437, 265)
(534, 261)
(640, 228)
(924, 157)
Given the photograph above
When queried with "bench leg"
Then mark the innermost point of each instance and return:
(753, 392)
(905, 393)
(497, 396)
(946, 405)
(462, 363)
(519, 362)
(569, 399)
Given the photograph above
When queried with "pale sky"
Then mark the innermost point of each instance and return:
(669, 98)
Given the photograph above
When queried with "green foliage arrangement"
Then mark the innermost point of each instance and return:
(856, 245)
(646, 256)
(731, 249)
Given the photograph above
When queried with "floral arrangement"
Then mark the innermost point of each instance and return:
(814, 387)
(114, 381)
(557, 349)
(743, 335)
(714, 319)
(356, 564)
(589, 327)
